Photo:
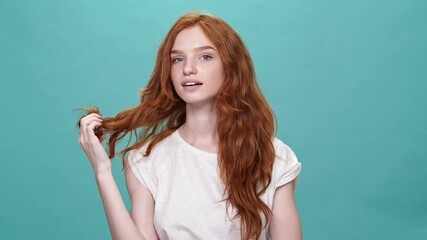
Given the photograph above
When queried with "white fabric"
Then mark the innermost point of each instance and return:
(187, 189)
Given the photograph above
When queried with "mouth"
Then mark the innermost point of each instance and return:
(191, 83)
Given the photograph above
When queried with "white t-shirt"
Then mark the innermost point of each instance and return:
(186, 187)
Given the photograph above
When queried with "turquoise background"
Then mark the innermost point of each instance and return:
(347, 80)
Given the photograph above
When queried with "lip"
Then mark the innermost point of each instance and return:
(198, 83)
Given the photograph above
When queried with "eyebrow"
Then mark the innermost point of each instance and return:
(173, 51)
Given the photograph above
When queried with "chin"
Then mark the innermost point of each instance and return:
(199, 101)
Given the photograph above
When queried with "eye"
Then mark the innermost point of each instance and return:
(206, 57)
(177, 59)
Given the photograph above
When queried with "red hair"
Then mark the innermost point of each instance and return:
(245, 122)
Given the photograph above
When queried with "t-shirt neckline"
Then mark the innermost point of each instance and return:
(192, 148)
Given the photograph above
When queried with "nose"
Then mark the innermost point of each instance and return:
(190, 67)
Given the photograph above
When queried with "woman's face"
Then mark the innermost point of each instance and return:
(196, 68)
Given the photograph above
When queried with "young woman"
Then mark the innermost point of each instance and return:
(205, 163)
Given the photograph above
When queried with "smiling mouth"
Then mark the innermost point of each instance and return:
(189, 84)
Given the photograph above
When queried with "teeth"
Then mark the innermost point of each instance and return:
(191, 84)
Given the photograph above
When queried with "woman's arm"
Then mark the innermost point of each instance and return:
(121, 224)
(285, 222)
(142, 211)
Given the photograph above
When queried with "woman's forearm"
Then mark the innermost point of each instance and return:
(121, 224)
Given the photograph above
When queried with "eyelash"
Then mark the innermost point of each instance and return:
(179, 59)
(206, 55)
(175, 60)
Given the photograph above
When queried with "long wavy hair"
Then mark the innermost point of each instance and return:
(245, 123)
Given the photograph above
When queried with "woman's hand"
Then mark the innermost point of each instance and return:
(91, 144)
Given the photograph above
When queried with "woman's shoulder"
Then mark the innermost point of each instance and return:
(286, 165)
(283, 151)
(159, 151)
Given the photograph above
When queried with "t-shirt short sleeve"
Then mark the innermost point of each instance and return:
(286, 166)
(142, 167)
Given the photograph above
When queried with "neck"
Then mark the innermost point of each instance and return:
(200, 127)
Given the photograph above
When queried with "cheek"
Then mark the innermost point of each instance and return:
(174, 77)
(219, 75)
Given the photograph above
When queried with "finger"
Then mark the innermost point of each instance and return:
(88, 132)
(91, 127)
(91, 116)
(86, 118)
(80, 140)
(84, 123)
(89, 135)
